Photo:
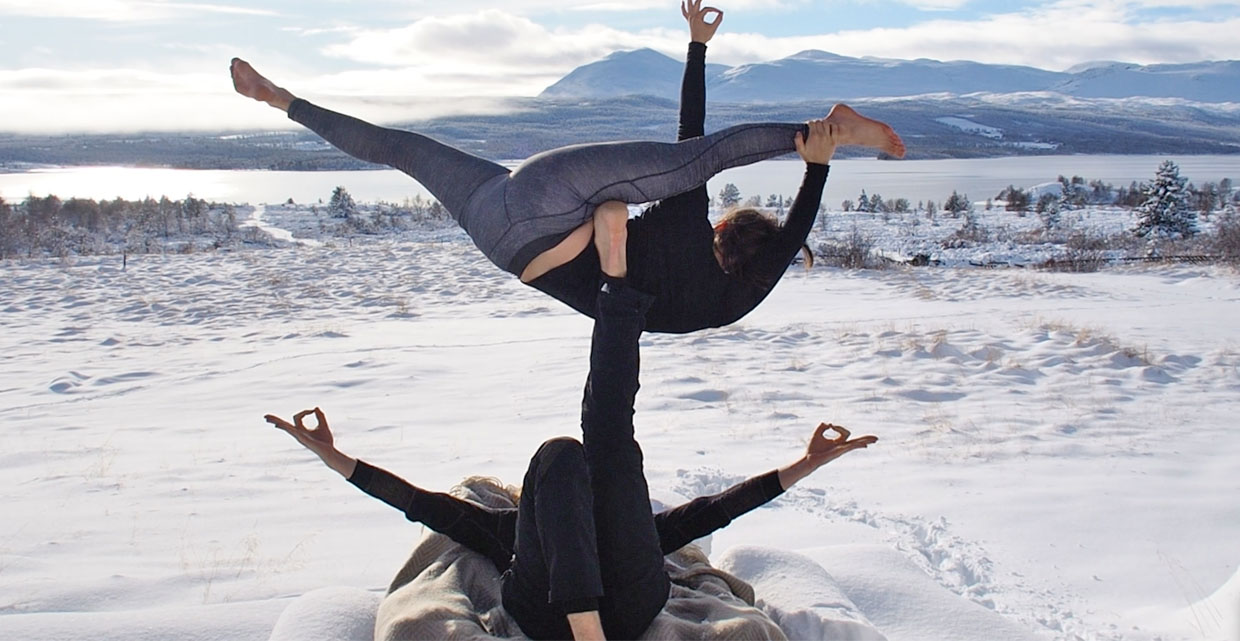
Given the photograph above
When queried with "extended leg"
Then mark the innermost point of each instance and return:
(555, 570)
(632, 564)
(451, 175)
(578, 176)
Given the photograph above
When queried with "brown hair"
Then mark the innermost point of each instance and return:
(741, 233)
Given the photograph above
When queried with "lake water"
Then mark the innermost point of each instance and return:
(913, 179)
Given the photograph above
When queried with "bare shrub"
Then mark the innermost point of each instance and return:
(1226, 240)
(1085, 251)
(1195, 246)
(1028, 237)
(854, 251)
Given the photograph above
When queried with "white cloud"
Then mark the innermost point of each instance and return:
(118, 10)
(494, 52)
(60, 101)
(937, 5)
(1053, 37)
(525, 7)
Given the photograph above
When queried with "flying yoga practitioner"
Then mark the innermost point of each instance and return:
(536, 221)
(581, 555)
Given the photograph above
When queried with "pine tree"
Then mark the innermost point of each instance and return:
(957, 204)
(1072, 192)
(1164, 211)
(729, 196)
(341, 204)
(863, 202)
(1016, 199)
(1048, 210)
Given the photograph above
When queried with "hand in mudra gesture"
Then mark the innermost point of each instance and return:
(317, 439)
(822, 450)
(700, 29)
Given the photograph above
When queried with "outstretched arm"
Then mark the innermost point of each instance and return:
(703, 515)
(691, 206)
(489, 532)
(770, 263)
(703, 22)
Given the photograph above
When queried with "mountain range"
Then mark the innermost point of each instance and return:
(819, 75)
(941, 109)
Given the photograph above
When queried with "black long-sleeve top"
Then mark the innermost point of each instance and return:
(492, 531)
(671, 244)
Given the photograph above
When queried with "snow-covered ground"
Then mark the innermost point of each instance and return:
(1054, 462)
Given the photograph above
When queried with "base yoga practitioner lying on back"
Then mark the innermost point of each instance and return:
(582, 554)
(534, 221)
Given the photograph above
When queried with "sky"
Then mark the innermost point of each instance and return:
(140, 65)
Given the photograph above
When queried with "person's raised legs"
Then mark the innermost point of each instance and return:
(252, 84)
(855, 129)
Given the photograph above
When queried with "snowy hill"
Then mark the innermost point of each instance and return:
(1200, 81)
(639, 72)
(819, 75)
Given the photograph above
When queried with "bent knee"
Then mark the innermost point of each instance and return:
(612, 208)
(562, 454)
(554, 446)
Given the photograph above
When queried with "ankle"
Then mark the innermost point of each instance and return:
(281, 99)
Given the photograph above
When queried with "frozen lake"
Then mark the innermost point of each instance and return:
(979, 178)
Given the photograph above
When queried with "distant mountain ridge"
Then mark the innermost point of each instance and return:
(820, 75)
(941, 109)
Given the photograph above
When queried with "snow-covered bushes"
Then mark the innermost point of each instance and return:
(972, 232)
(853, 251)
(48, 226)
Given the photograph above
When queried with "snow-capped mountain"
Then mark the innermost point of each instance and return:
(819, 75)
(624, 73)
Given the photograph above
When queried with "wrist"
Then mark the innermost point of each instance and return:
(791, 473)
(342, 463)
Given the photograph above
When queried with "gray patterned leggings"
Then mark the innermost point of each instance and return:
(513, 216)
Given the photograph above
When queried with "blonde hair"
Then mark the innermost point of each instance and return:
(490, 485)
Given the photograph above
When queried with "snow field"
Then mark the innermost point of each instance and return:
(1055, 457)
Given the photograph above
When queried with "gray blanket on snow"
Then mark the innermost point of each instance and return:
(445, 591)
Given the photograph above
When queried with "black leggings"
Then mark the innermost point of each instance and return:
(513, 216)
(586, 537)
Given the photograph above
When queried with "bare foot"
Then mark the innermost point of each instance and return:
(611, 234)
(856, 129)
(251, 84)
